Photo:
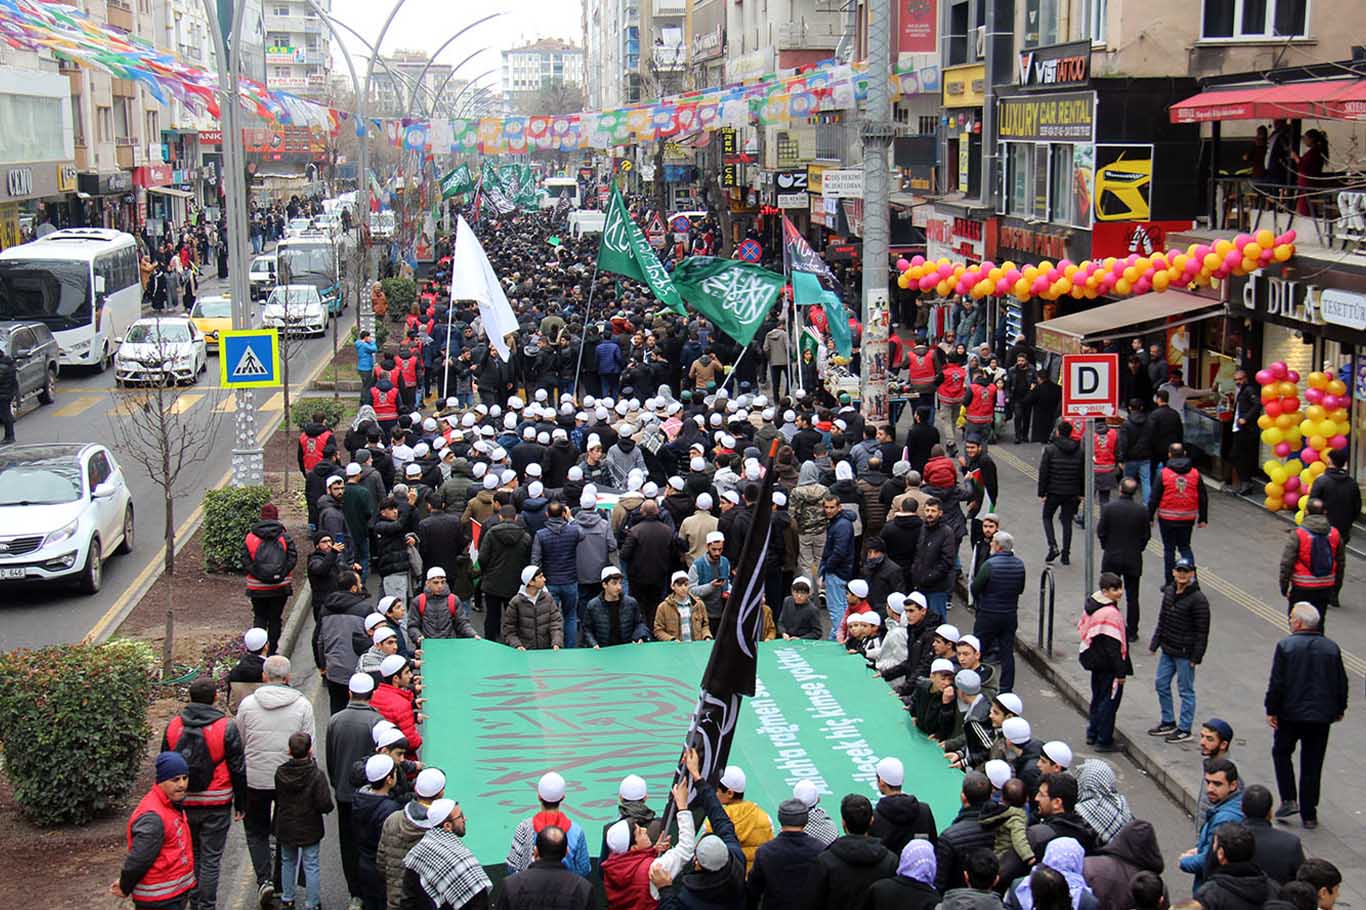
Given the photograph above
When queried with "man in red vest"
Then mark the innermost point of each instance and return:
(216, 758)
(158, 871)
(924, 370)
(950, 394)
(1178, 502)
(1310, 560)
(979, 414)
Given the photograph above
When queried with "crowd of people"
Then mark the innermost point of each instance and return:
(596, 490)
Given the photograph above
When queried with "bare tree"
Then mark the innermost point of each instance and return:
(158, 430)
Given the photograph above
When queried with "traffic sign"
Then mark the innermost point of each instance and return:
(1090, 385)
(655, 232)
(680, 224)
(249, 359)
(749, 250)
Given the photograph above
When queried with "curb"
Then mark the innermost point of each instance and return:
(299, 608)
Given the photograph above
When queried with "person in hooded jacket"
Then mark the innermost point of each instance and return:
(1135, 451)
(844, 871)
(315, 481)
(1061, 483)
(899, 818)
(932, 570)
(1112, 869)
(559, 458)
(269, 595)
(341, 626)
(372, 804)
(303, 797)
(912, 888)
(1236, 883)
(504, 550)
(1341, 498)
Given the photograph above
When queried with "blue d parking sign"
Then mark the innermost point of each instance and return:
(249, 359)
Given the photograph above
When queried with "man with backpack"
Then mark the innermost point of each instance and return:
(313, 440)
(437, 613)
(1310, 560)
(268, 558)
(212, 748)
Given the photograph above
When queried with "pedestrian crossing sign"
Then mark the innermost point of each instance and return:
(249, 359)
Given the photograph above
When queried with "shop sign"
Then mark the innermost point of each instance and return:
(19, 181)
(915, 21)
(1018, 240)
(965, 86)
(1277, 297)
(817, 210)
(853, 213)
(210, 137)
(843, 184)
(790, 189)
(153, 175)
(948, 236)
(105, 184)
(921, 179)
(1056, 65)
(1120, 238)
(66, 178)
(1343, 308)
(730, 175)
(729, 144)
(708, 44)
(1063, 117)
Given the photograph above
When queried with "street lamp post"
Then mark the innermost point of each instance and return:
(412, 103)
(877, 133)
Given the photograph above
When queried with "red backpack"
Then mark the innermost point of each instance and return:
(422, 605)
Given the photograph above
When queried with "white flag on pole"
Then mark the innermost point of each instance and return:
(472, 278)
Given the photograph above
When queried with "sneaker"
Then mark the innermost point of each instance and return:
(1288, 808)
(1162, 729)
(1309, 824)
(1067, 559)
(1179, 736)
(266, 895)
(1052, 554)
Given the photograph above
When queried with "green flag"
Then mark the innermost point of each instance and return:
(624, 250)
(736, 296)
(457, 182)
(807, 291)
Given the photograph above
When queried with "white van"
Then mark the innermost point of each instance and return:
(586, 221)
(555, 187)
(82, 283)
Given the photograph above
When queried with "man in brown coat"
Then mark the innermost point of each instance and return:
(532, 620)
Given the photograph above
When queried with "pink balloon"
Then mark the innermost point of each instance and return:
(917, 260)
(1331, 401)
(1291, 499)
(1003, 286)
(1309, 456)
(1282, 450)
(1242, 240)
(1278, 369)
(1292, 483)
(1338, 442)
(1264, 377)
(902, 265)
(1143, 285)
(1313, 396)
(1292, 375)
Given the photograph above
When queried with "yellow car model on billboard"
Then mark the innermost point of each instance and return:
(1123, 187)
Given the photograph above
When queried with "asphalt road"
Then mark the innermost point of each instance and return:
(85, 409)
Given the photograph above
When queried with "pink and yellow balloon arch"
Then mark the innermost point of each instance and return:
(1200, 264)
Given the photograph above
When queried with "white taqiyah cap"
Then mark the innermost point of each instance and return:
(998, 772)
(697, 464)
(414, 470)
(575, 473)
(896, 602)
(891, 771)
(533, 469)
(858, 587)
(372, 620)
(361, 683)
(335, 478)
(1059, 751)
(704, 502)
(353, 469)
(1011, 702)
(437, 813)
(733, 778)
(388, 737)
(731, 497)
(386, 603)
(550, 788)
(941, 665)
(917, 597)
(255, 639)
(715, 537)
(677, 575)
(676, 483)
(392, 664)
(972, 641)
(619, 837)
(380, 728)
(632, 787)
(529, 573)
(1016, 730)
(383, 634)
(588, 500)
(969, 682)
(490, 481)
(803, 581)
(435, 572)
(948, 633)
(779, 498)
(535, 489)
(430, 782)
(378, 767)
(807, 792)
(610, 572)
(712, 853)
(868, 618)
(479, 469)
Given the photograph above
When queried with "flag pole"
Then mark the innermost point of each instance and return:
(583, 336)
(446, 354)
(735, 366)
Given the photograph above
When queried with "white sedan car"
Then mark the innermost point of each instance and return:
(297, 309)
(161, 349)
(63, 509)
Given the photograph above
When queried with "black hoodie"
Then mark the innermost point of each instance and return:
(1061, 470)
(1136, 437)
(847, 869)
(1236, 886)
(900, 818)
(1111, 872)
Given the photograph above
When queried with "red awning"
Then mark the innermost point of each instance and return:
(1333, 99)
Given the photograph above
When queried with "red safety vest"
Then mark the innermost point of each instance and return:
(954, 385)
(385, 403)
(982, 409)
(219, 791)
(1303, 575)
(921, 368)
(1180, 495)
(172, 874)
(1103, 458)
(394, 374)
(408, 367)
(313, 446)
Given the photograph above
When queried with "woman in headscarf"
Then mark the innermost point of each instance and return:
(913, 886)
(1099, 800)
(1066, 856)
(355, 437)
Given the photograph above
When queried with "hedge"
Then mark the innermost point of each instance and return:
(400, 294)
(73, 724)
(336, 409)
(229, 514)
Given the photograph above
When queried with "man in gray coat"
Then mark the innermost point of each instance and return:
(596, 546)
(350, 738)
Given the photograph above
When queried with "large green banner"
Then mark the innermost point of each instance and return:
(499, 718)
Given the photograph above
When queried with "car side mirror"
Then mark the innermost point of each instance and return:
(99, 284)
(103, 490)
(23, 353)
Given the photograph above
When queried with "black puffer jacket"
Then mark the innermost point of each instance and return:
(504, 550)
(959, 839)
(844, 872)
(1341, 499)
(391, 548)
(1236, 886)
(900, 818)
(1136, 437)
(1061, 470)
(1182, 628)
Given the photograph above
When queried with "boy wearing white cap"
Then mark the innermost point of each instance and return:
(1023, 752)
(719, 876)
(695, 528)
(384, 642)
(681, 616)
(532, 620)
(800, 617)
(899, 818)
(753, 827)
(373, 803)
(631, 804)
(252, 663)
(818, 823)
(933, 701)
(550, 791)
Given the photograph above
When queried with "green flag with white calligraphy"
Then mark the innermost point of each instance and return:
(457, 182)
(624, 250)
(736, 296)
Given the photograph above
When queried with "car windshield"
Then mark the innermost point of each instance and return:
(213, 308)
(52, 291)
(298, 297)
(263, 264)
(154, 332)
(316, 265)
(30, 482)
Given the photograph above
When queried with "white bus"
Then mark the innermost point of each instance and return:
(312, 258)
(82, 283)
(555, 187)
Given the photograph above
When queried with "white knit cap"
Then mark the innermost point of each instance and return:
(361, 683)
(807, 792)
(891, 771)
(858, 587)
(383, 634)
(255, 639)
(1059, 751)
(392, 664)
(733, 778)
(430, 782)
(378, 767)
(1016, 730)
(619, 837)
(632, 787)
(998, 772)
(715, 537)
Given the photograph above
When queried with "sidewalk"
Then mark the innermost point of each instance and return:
(1238, 556)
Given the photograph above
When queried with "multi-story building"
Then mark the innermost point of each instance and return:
(612, 35)
(298, 54)
(529, 68)
(391, 86)
(37, 161)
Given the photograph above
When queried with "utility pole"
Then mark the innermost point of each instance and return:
(876, 133)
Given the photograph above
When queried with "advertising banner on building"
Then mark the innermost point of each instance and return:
(1056, 117)
(1123, 187)
(915, 27)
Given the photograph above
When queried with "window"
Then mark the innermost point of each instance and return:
(1041, 23)
(1019, 162)
(77, 120)
(1255, 19)
(1039, 205)
(104, 119)
(33, 128)
(123, 121)
(98, 470)
(281, 9)
(1063, 207)
(1097, 10)
(928, 125)
(153, 133)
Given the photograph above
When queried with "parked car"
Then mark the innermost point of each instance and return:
(297, 309)
(63, 509)
(262, 276)
(160, 350)
(212, 315)
(35, 354)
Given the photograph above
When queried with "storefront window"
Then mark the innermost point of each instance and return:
(1018, 177)
(33, 128)
(1064, 200)
(1040, 207)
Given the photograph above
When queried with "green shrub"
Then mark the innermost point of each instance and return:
(336, 409)
(73, 724)
(400, 292)
(229, 514)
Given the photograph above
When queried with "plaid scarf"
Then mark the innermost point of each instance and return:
(448, 871)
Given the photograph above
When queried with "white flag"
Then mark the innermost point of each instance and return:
(472, 278)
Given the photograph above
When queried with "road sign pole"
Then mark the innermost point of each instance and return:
(1088, 461)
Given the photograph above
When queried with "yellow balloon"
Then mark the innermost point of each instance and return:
(1222, 248)
(1282, 252)
(995, 274)
(1122, 286)
(1212, 261)
(1307, 426)
(1278, 475)
(1273, 504)
(1337, 387)
(1327, 428)
(943, 288)
(1343, 428)
(1270, 465)
(1318, 467)
(1284, 421)
(1252, 251)
(1266, 421)
(1287, 389)
(1274, 490)
(1265, 239)
(1160, 281)
(1317, 443)
(1338, 415)
(1293, 467)
(1248, 265)
(1315, 413)
(1317, 380)
(1307, 477)
(1272, 436)
(1022, 288)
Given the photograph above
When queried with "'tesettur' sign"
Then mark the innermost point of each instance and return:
(1307, 303)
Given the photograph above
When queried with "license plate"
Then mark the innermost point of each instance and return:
(11, 573)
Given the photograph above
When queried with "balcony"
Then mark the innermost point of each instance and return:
(669, 59)
(665, 8)
(125, 155)
(802, 36)
(120, 15)
(276, 24)
(83, 158)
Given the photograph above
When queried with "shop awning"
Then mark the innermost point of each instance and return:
(1332, 99)
(170, 191)
(1067, 334)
